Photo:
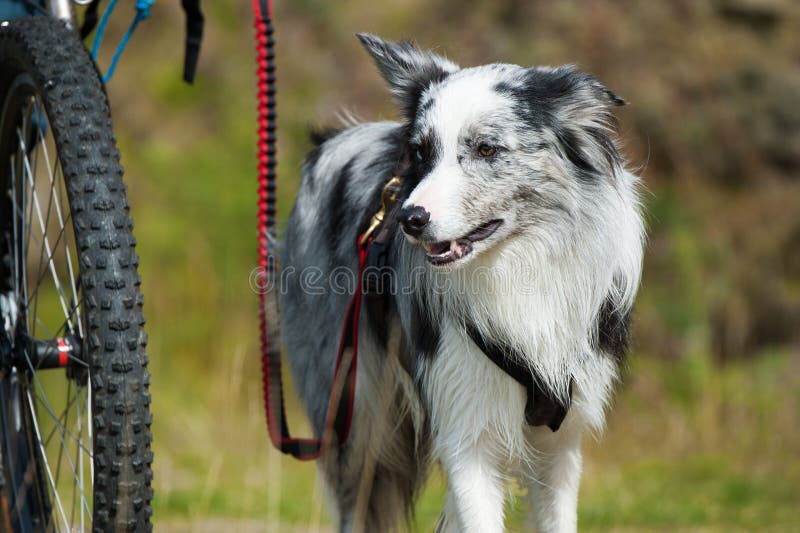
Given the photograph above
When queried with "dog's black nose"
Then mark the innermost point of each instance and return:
(413, 219)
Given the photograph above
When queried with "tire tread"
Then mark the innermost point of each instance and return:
(78, 110)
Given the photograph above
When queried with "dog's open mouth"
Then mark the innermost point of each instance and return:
(445, 252)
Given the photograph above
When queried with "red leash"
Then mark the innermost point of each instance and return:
(340, 413)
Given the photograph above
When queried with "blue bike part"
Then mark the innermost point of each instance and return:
(38, 123)
(14, 9)
(142, 12)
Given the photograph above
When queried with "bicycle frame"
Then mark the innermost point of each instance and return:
(57, 9)
(63, 10)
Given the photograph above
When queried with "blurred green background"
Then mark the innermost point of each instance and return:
(704, 432)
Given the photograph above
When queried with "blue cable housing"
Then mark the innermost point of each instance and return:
(142, 12)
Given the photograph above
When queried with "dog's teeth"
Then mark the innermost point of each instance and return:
(427, 246)
(453, 245)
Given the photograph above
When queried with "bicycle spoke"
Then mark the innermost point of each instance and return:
(19, 211)
(40, 273)
(39, 322)
(78, 411)
(78, 478)
(57, 192)
(60, 418)
(75, 461)
(46, 462)
(61, 449)
(20, 249)
(61, 220)
(38, 207)
(63, 432)
(34, 164)
(50, 258)
(26, 207)
(25, 215)
(45, 402)
(16, 244)
(89, 429)
(52, 170)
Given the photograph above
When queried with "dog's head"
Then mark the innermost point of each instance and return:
(497, 151)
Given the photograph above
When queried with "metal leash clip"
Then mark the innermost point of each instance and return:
(389, 195)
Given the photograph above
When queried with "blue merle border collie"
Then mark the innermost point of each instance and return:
(519, 222)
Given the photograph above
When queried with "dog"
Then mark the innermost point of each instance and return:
(520, 233)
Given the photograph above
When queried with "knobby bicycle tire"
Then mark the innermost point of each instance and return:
(46, 72)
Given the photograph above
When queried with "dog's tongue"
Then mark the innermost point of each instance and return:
(439, 248)
(444, 252)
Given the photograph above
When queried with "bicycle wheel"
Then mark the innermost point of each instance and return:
(74, 388)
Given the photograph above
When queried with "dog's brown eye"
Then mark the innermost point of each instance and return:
(486, 150)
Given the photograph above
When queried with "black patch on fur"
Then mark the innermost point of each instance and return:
(616, 100)
(379, 284)
(543, 91)
(540, 89)
(432, 150)
(424, 332)
(421, 109)
(572, 149)
(571, 145)
(339, 207)
(613, 330)
(342, 211)
(407, 80)
(542, 407)
(379, 308)
(609, 149)
(319, 136)
(381, 170)
(423, 79)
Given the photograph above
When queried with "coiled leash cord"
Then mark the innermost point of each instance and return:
(339, 412)
(371, 247)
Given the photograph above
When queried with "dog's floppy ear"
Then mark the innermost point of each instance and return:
(407, 70)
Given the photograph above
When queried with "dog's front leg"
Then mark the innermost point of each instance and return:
(553, 477)
(475, 492)
(476, 415)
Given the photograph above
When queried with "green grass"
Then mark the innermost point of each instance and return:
(718, 453)
(708, 492)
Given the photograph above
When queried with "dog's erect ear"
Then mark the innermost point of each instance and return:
(577, 108)
(604, 94)
(407, 70)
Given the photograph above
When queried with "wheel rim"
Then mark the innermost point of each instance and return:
(50, 409)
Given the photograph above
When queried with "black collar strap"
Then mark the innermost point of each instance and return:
(541, 408)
